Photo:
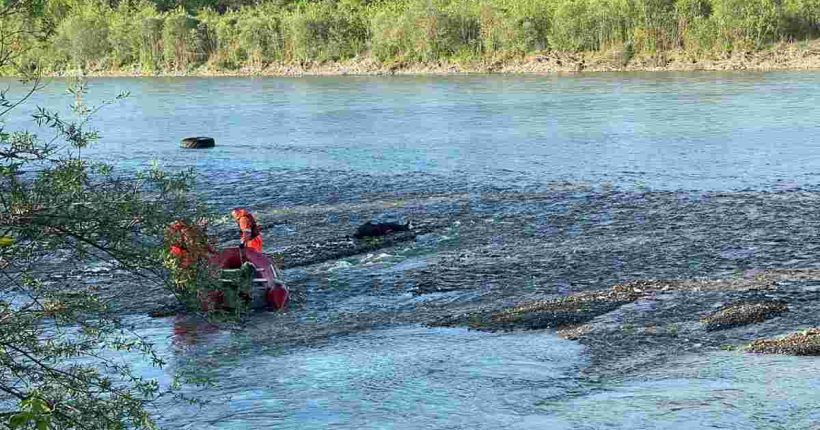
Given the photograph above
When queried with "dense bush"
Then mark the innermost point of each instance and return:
(83, 34)
(423, 30)
(183, 40)
(748, 23)
(125, 31)
(581, 25)
(573, 27)
(515, 26)
(318, 32)
(151, 43)
(230, 34)
(226, 50)
(260, 34)
(803, 18)
(656, 26)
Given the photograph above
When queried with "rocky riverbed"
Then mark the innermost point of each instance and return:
(637, 277)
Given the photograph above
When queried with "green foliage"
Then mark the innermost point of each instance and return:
(573, 27)
(226, 49)
(318, 32)
(696, 32)
(83, 34)
(748, 24)
(53, 202)
(183, 40)
(515, 26)
(260, 34)
(586, 25)
(425, 31)
(231, 34)
(151, 43)
(391, 32)
(803, 18)
(125, 31)
(656, 25)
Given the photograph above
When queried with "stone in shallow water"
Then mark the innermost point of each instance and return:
(743, 313)
(803, 343)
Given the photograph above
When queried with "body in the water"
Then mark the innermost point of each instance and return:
(369, 229)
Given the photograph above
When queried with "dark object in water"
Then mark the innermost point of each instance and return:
(369, 229)
(197, 142)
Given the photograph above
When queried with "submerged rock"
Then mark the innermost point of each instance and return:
(742, 313)
(803, 343)
(575, 309)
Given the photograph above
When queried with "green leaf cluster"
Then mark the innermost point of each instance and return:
(231, 34)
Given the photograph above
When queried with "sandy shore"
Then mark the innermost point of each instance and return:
(802, 56)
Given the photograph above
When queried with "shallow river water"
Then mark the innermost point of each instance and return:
(565, 182)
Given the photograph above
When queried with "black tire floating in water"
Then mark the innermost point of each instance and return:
(197, 142)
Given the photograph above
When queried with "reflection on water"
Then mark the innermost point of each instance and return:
(191, 330)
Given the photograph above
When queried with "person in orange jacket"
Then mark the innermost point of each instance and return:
(189, 243)
(250, 237)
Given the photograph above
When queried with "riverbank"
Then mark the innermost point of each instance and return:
(791, 56)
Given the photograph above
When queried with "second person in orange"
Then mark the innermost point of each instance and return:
(250, 236)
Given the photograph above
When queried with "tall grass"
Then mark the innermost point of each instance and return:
(515, 27)
(137, 34)
(184, 40)
(151, 52)
(426, 30)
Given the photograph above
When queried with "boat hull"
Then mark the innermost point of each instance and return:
(268, 289)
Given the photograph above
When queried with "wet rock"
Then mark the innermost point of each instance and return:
(803, 343)
(572, 310)
(573, 331)
(738, 284)
(549, 314)
(742, 313)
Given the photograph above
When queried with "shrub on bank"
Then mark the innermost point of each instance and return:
(515, 27)
(656, 26)
(318, 32)
(125, 31)
(803, 18)
(83, 34)
(407, 30)
(260, 34)
(696, 32)
(422, 30)
(151, 43)
(748, 24)
(227, 52)
(591, 25)
(184, 40)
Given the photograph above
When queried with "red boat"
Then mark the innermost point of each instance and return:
(268, 289)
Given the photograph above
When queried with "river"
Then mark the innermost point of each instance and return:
(570, 182)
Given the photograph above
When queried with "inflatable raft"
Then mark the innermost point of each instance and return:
(266, 288)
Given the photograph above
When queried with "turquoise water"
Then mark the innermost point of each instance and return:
(701, 131)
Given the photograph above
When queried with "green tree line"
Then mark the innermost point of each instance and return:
(167, 35)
